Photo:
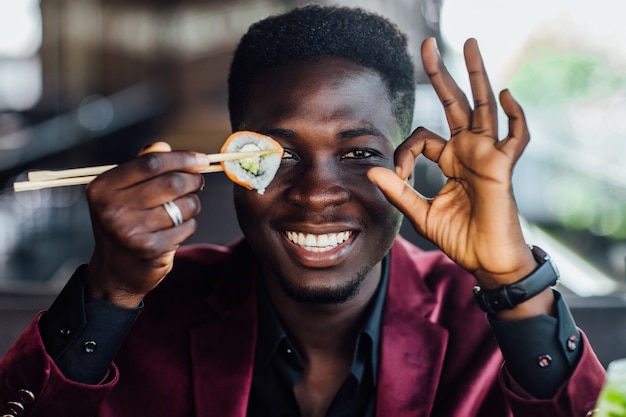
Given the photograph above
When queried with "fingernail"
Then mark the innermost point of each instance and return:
(147, 147)
(203, 159)
(203, 183)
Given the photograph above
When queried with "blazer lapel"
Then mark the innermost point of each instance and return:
(413, 348)
(222, 348)
(412, 358)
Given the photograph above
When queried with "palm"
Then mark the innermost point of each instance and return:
(457, 216)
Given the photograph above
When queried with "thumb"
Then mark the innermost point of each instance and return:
(156, 147)
(398, 191)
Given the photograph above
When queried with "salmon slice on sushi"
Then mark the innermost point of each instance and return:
(255, 172)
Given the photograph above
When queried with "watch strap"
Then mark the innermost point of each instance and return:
(509, 296)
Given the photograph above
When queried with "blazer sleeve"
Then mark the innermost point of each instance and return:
(30, 379)
(576, 397)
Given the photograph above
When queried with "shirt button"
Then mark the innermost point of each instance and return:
(544, 361)
(26, 396)
(16, 407)
(572, 343)
(89, 346)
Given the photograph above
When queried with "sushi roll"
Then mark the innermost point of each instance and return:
(256, 172)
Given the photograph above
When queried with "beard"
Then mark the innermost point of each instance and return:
(337, 294)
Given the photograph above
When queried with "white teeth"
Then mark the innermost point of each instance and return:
(318, 243)
(310, 240)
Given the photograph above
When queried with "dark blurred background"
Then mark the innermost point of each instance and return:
(90, 82)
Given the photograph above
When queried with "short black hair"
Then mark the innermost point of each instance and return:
(311, 32)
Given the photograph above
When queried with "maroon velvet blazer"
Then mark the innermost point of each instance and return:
(191, 350)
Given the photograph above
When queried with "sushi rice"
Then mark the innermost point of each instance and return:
(256, 172)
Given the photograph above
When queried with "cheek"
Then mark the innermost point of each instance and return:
(381, 212)
(251, 208)
(389, 218)
(245, 203)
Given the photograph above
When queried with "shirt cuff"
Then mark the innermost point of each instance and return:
(540, 352)
(83, 338)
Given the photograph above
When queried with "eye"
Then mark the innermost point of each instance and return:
(358, 154)
(288, 154)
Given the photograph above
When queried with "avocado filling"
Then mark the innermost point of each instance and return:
(253, 163)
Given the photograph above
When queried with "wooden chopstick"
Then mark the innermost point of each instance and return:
(68, 173)
(62, 182)
(97, 170)
(38, 180)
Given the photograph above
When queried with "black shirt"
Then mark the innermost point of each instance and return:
(278, 365)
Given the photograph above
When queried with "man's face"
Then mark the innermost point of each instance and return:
(322, 227)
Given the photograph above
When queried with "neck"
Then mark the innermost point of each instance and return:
(324, 329)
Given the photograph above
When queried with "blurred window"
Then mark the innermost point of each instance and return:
(20, 66)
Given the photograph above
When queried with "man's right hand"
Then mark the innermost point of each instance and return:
(135, 238)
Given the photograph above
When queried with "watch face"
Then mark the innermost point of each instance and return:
(541, 256)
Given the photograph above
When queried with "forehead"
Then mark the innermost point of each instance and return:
(328, 91)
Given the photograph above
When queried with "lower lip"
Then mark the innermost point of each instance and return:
(320, 259)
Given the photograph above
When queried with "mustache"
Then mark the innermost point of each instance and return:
(316, 217)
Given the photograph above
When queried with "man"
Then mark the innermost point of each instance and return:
(321, 310)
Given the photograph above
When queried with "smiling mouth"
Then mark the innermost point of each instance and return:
(318, 243)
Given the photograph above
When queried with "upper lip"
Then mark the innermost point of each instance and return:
(317, 228)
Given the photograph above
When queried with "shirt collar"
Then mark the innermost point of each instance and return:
(272, 335)
(271, 332)
(373, 320)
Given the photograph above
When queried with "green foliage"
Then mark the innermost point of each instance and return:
(549, 78)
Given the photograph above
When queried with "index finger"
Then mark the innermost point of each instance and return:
(151, 165)
(454, 101)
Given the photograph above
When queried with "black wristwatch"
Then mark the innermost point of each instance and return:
(509, 296)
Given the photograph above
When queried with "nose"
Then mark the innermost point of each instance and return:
(318, 185)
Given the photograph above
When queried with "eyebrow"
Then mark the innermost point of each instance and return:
(277, 132)
(362, 131)
(350, 133)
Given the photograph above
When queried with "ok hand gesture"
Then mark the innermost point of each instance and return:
(473, 218)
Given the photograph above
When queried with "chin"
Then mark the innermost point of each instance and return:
(332, 294)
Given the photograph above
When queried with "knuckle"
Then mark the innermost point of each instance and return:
(163, 262)
(109, 219)
(478, 103)
(128, 232)
(95, 192)
(151, 163)
(175, 181)
(146, 247)
(186, 230)
(194, 204)
(192, 224)
(151, 255)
